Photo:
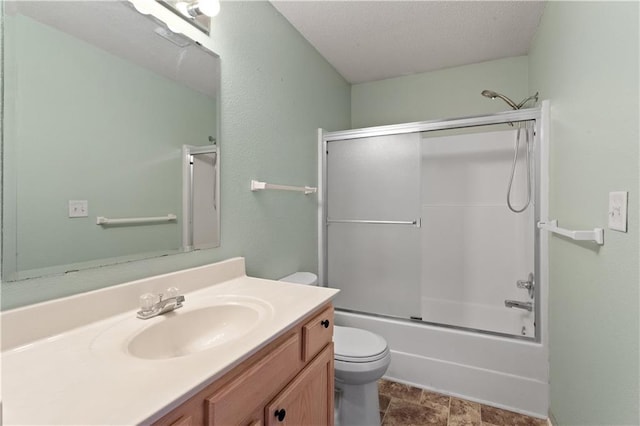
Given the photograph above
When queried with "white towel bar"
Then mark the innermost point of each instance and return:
(257, 186)
(101, 220)
(596, 235)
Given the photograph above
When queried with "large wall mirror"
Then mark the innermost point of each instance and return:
(99, 100)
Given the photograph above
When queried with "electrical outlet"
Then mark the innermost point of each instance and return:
(78, 208)
(618, 211)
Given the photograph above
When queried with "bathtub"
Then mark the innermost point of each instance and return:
(502, 372)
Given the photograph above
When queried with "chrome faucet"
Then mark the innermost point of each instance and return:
(517, 304)
(149, 308)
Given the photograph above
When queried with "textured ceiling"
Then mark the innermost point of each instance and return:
(374, 40)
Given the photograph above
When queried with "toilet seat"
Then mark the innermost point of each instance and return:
(358, 346)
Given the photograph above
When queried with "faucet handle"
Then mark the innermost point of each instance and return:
(172, 292)
(528, 285)
(147, 301)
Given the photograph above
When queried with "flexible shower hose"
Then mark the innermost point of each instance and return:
(513, 169)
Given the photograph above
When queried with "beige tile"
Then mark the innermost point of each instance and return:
(435, 398)
(464, 413)
(405, 413)
(399, 390)
(403, 405)
(500, 417)
(384, 402)
(461, 406)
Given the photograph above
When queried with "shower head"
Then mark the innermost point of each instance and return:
(491, 94)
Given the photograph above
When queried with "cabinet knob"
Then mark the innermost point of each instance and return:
(280, 414)
(325, 323)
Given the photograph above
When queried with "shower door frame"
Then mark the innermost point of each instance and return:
(540, 116)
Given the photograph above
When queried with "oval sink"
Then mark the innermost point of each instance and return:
(183, 333)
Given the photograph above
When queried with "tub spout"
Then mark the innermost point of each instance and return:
(517, 304)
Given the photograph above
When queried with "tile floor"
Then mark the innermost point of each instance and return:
(403, 405)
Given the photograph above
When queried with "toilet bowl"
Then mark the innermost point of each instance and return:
(360, 359)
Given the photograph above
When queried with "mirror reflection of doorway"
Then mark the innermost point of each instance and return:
(201, 202)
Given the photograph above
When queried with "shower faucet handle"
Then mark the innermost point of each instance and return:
(524, 284)
(527, 284)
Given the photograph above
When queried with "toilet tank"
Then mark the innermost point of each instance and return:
(306, 278)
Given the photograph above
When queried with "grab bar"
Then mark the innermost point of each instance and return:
(257, 186)
(377, 222)
(101, 220)
(596, 235)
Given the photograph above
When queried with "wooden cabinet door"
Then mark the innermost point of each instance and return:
(184, 421)
(308, 399)
(234, 403)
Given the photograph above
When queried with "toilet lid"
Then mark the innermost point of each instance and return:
(356, 345)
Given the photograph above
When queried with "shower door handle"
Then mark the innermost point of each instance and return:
(417, 223)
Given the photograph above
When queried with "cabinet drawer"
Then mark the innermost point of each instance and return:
(234, 403)
(316, 333)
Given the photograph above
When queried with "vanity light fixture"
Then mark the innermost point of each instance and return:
(199, 7)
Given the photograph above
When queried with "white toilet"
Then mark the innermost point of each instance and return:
(361, 358)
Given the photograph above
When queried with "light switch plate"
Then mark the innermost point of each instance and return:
(618, 211)
(78, 208)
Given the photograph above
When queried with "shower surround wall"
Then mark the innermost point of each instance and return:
(474, 249)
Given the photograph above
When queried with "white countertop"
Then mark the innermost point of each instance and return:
(84, 375)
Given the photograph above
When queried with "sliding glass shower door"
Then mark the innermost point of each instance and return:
(372, 218)
(418, 228)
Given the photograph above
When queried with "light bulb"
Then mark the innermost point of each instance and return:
(209, 7)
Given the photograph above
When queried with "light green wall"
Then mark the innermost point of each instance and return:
(447, 93)
(276, 91)
(88, 125)
(585, 60)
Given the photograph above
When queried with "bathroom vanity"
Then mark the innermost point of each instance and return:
(291, 379)
(241, 350)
